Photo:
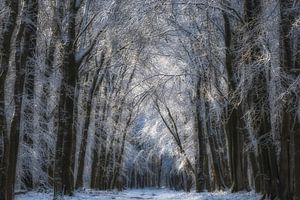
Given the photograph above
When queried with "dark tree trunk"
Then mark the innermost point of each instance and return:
(289, 12)
(99, 152)
(232, 125)
(296, 188)
(119, 161)
(7, 28)
(216, 159)
(297, 156)
(31, 31)
(259, 96)
(201, 148)
(24, 55)
(64, 156)
(97, 81)
(46, 115)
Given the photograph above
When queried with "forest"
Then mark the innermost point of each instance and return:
(190, 95)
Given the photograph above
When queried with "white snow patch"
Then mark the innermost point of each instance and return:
(155, 194)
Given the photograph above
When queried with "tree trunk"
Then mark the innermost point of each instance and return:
(297, 154)
(259, 96)
(289, 12)
(117, 175)
(232, 125)
(97, 81)
(7, 28)
(201, 148)
(31, 31)
(296, 188)
(99, 152)
(25, 51)
(46, 115)
(66, 132)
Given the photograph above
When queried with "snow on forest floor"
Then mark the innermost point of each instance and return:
(156, 194)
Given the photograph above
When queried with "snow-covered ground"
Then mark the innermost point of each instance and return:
(156, 194)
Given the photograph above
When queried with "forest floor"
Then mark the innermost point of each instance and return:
(140, 194)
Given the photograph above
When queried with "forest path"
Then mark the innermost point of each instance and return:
(144, 194)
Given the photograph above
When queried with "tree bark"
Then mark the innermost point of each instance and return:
(296, 188)
(46, 115)
(232, 125)
(64, 156)
(25, 52)
(259, 96)
(7, 28)
(288, 15)
(29, 88)
(97, 81)
(201, 147)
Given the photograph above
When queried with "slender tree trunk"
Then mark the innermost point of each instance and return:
(232, 125)
(46, 115)
(297, 130)
(31, 30)
(117, 176)
(259, 96)
(201, 148)
(215, 161)
(97, 81)
(103, 138)
(25, 52)
(289, 12)
(297, 154)
(99, 152)
(64, 156)
(7, 28)
(15, 124)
